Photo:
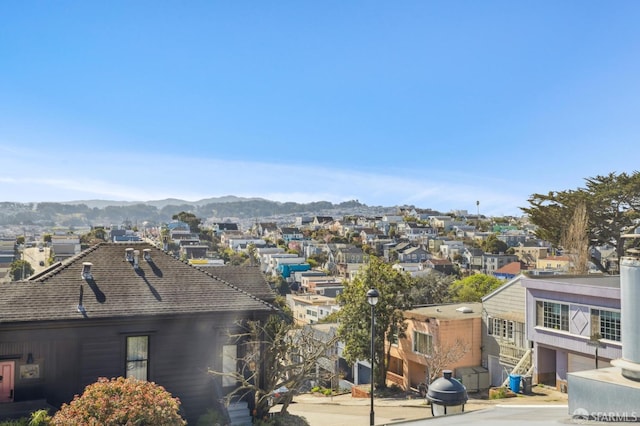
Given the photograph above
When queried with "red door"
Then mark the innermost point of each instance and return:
(6, 381)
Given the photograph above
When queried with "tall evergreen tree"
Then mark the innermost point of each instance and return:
(612, 203)
(355, 314)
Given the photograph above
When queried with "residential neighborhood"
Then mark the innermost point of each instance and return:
(160, 303)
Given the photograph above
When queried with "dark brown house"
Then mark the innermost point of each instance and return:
(441, 265)
(126, 310)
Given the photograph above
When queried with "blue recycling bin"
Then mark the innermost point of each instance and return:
(514, 382)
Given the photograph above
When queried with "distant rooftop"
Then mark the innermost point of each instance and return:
(452, 311)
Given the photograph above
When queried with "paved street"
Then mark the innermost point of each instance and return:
(352, 415)
(34, 256)
(543, 405)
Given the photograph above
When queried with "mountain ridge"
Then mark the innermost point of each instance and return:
(83, 213)
(164, 202)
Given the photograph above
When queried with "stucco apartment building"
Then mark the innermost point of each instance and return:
(430, 332)
(310, 308)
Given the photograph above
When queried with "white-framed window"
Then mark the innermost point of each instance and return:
(507, 330)
(422, 342)
(606, 324)
(137, 363)
(552, 315)
(501, 328)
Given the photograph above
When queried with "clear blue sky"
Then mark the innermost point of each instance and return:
(438, 104)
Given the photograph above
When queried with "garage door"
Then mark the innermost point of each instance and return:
(581, 363)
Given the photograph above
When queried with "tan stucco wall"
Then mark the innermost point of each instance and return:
(445, 332)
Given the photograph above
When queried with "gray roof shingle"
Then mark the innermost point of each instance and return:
(162, 286)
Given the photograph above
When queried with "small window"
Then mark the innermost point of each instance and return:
(422, 343)
(507, 330)
(497, 327)
(137, 357)
(393, 336)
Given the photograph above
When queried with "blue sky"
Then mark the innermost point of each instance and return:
(437, 104)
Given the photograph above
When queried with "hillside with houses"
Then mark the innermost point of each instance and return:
(522, 327)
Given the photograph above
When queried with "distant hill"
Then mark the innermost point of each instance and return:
(105, 212)
(161, 203)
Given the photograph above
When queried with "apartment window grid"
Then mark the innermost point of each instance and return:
(609, 324)
(553, 315)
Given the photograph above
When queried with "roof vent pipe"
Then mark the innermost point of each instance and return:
(86, 270)
(146, 254)
(136, 258)
(128, 254)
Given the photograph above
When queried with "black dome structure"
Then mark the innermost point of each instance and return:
(447, 395)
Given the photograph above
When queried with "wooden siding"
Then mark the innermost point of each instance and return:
(100, 356)
(508, 303)
(509, 300)
(70, 358)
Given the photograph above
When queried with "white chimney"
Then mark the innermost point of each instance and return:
(128, 254)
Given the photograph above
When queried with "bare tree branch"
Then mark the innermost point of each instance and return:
(278, 355)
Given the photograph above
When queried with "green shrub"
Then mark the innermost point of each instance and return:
(121, 402)
(40, 418)
(498, 393)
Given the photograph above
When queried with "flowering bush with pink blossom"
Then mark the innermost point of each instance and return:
(121, 402)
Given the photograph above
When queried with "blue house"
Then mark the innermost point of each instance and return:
(285, 270)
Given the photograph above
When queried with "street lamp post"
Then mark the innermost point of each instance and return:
(372, 299)
(594, 340)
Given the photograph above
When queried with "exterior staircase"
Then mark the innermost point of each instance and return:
(239, 414)
(524, 367)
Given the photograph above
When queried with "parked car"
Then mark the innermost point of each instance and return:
(277, 396)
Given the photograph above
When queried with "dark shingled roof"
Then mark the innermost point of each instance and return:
(162, 286)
